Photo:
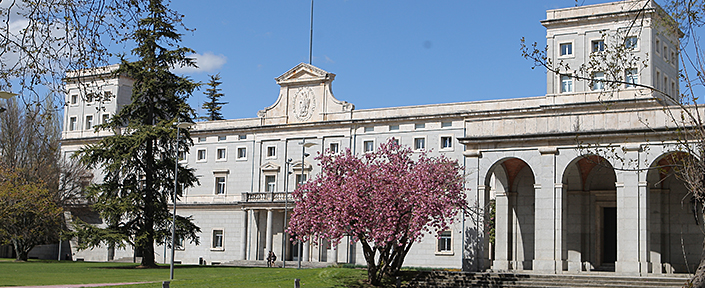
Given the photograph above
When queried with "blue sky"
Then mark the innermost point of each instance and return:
(385, 53)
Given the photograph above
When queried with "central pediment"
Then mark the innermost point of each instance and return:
(303, 73)
(305, 95)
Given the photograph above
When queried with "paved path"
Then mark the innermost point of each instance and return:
(78, 285)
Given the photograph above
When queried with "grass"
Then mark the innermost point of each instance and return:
(41, 272)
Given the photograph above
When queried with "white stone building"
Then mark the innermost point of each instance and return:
(558, 209)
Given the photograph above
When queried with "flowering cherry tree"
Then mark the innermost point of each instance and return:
(387, 200)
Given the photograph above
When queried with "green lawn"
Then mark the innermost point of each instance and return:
(38, 272)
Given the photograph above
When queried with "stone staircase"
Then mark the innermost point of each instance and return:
(588, 280)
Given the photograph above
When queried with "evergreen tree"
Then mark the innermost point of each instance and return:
(138, 163)
(213, 106)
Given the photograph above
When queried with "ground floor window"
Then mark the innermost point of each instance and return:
(445, 241)
(217, 239)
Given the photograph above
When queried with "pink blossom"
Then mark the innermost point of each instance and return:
(387, 200)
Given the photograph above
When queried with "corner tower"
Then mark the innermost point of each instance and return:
(92, 96)
(639, 30)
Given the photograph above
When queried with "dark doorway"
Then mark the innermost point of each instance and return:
(294, 248)
(609, 235)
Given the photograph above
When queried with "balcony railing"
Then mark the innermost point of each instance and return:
(265, 196)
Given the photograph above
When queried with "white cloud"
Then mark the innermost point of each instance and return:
(207, 62)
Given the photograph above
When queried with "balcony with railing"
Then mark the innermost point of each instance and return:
(266, 197)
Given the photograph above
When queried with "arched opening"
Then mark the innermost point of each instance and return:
(676, 238)
(510, 185)
(591, 214)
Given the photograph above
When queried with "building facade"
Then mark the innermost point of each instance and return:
(560, 208)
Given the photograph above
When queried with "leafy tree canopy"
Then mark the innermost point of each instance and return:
(138, 162)
(213, 105)
(387, 200)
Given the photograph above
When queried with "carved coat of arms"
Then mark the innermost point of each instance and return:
(304, 104)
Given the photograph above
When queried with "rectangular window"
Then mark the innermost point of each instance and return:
(89, 97)
(658, 79)
(598, 81)
(89, 122)
(72, 123)
(393, 127)
(658, 47)
(201, 155)
(674, 92)
(665, 53)
(222, 138)
(179, 242)
(395, 140)
(182, 155)
(242, 137)
(334, 148)
(446, 124)
(217, 239)
(673, 58)
(419, 125)
(445, 242)
(598, 45)
(631, 42)
(220, 154)
(300, 179)
(566, 84)
(74, 99)
(242, 153)
(632, 77)
(369, 129)
(202, 139)
(566, 49)
(419, 143)
(446, 142)
(271, 151)
(270, 183)
(369, 145)
(665, 84)
(106, 118)
(220, 185)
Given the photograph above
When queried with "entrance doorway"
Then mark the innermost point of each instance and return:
(609, 237)
(294, 248)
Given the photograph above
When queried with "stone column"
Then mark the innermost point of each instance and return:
(627, 225)
(502, 237)
(548, 215)
(655, 229)
(631, 219)
(251, 232)
(482, 249)
(644, 241)
(334, 253)
(269, 232)
(306, 251)
(243, 235)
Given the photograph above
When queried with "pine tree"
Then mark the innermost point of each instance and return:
(213, 106)
(138, 163)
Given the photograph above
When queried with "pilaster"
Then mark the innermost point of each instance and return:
(548, 233)
(502, 238)
(243, 235)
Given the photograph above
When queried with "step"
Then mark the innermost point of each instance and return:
(594, 280)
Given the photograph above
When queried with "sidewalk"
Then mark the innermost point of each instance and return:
(78, 285)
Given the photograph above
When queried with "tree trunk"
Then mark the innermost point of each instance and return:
(21, 253)
(147, 244)
(372, 269)
(698, 279)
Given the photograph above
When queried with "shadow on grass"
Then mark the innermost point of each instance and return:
(388, 282)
